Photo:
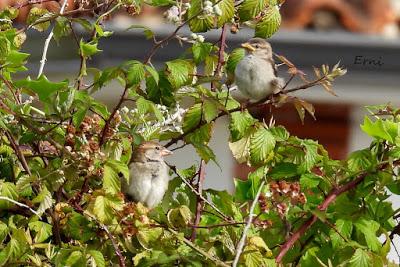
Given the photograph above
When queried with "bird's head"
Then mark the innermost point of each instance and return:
(150, 151)
(258, 47)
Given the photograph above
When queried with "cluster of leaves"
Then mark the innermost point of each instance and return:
(63, 155)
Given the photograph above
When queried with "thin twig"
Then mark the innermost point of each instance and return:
(173, 168)
(47, 42)
(20, 204)
(222, 45)
(17, 151)
(200, 202)
(240, 245)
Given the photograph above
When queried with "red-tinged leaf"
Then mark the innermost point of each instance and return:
(317, 72)
(309, 107)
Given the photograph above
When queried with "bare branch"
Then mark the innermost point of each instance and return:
(20, 204)
(47, 42)
(200, 202)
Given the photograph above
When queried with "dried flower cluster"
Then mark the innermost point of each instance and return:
(282, 193)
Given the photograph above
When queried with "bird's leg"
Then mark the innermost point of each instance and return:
(243, 105)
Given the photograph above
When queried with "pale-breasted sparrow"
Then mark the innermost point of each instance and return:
(256, 74)
(148, 174)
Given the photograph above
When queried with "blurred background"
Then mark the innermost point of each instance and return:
(364, 35)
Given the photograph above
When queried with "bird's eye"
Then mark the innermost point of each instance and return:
(256, 46)
(157, 148)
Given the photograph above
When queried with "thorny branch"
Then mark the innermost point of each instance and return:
(322, 207)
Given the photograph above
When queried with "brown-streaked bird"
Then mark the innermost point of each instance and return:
(148, 174)
(256, 75)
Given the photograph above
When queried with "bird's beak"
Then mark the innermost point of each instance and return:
(166, 152)
(248, 46)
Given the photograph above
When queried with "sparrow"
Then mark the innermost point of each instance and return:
(256, 74)
(148, 174)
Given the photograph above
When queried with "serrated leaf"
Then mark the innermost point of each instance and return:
(210, 110)
(61, 28)
(369, 229)
(283, 170)
(178, 72)
(201, 51)
(104, 206)
(36, 15)
(199, 22)
(97, 257)
(111, 176)
(179, 217)
(192, 117)
(134, 72)
(228, 8)
(43, 230)
(7, 190)
(345, 228)
(239, 124)
(280, 133)
(309, 181)
(45, 201)
(360, 160)
(241, 149)
(147, 236)
(248, 9)
(5, 48)
(153, 72)
(360, 258)
(380, 129)
(3, 231)
(269, 23)
(262, 143)
(234, 58)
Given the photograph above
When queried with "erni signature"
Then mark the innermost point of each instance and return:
(368, 61)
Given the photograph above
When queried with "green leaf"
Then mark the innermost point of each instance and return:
(148, 236)
(251, 8)
(255, 179)
(269, 23)
(199, 22)
(44, 199)
(241, 149)
(240, 123)
(146, 30)
(201, 51)
(200, 136)
(205, 152)
(7, 190)
(5, 48)
(104, 206)
(262, 143)
(89, 49)
(368, 228)
(35, 16)
(135, 72)
(111, 179)
(98, 258)
(210, 110)
(360, 258)
(75, 259)
(79, 227)
(153, 72)
(252, 257)
(178, 72)
(43, 230)
(228, 8)
(234, 58)
(311, 156)
(345, 228)
(309, 180)
(179, 217)
(3, 231)
(61, 28)
(280, 133)
(360, 160)
(380, 129)
(42, 87)
(192, 117)
(242, 190)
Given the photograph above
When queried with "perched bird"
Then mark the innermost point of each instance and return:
(256, 74)
(148, 174)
